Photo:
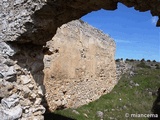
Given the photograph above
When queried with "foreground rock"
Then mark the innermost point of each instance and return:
(36, 21)
(10, 109)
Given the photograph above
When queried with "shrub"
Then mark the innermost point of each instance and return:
(122, 59)
(117, 60)
(143, 65)
(148, 61)
(132, 60)
(154, 60)
(157, 66)
(127, 59)
(143, 60)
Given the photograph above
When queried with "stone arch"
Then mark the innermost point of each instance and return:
(37, 21)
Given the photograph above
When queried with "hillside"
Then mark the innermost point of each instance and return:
(134, 94)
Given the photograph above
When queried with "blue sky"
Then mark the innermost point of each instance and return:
(134, 32)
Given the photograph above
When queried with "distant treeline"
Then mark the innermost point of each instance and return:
(132, 60)
(142, 63)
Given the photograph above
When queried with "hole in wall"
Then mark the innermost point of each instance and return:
(46, 51)
(135, 33)
(56, 51)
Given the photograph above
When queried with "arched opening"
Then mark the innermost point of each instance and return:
(135, 33)
(131, 39)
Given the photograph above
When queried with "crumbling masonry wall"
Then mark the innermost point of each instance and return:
(81, 67)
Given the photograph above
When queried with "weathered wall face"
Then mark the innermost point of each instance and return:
(36, 21)
(81, 68)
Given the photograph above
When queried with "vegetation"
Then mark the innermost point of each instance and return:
(154, 60)
(118, 60)
(157, 66)
(131, 95)
(143, 60)
(143, 65)
(131, 60)
(148, 60)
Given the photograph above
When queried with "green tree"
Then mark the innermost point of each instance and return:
(143, 60)
(117, 60)
(148, 61)
(154, 60)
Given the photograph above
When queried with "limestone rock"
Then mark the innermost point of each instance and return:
(10, 109)
(12, 101)
(25, 79)
(76, 112)
(33, 118)
(100, 114)
(39, 109)
(36, 21)
(4, 89)
(31, 86)
(7, 49)
(41, 90)
(33, 95)
(25, 102)
(7, 72)
(123, 67)
(10, 114)
(38, 101)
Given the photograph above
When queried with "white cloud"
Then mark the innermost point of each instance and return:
(154, 20)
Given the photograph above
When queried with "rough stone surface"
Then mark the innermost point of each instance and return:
(12, 101)
(81, 67)
(36, 21)
(7, 49)
(15, 17)
(25, 79)
(10, 109)
(121, 68)
(100, 114)
(20, 82)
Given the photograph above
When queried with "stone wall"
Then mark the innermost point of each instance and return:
(81, 67)
(36, 21)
